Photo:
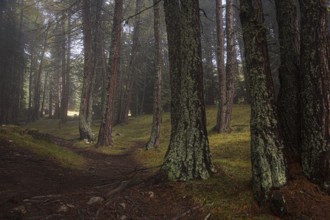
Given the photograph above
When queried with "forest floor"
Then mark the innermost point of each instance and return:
(47, 173)
(112, 187)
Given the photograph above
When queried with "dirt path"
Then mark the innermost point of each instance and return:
(113, 187)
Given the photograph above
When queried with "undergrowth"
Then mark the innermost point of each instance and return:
(227, 195)
(20, 138)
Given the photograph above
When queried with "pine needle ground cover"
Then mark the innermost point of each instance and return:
(227, 195)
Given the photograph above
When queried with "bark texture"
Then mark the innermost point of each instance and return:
(315, 94)
(221, 115)
(288, 99)
(157, 108)
(268, 164)
(105, 138)
(85, 112)
(188, 156)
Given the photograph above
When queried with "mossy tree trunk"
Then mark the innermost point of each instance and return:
(157, 108)
(188, 156)
(288, 99)
(268, 164)
(105, 138)
(85, 111)
(315, 92)
(221, 114)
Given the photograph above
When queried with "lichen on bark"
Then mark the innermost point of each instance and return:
(188, 156)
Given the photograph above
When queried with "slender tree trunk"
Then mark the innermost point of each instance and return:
(133, 65)
(188, 156)
(288, 99)
(157, 108)
(66, 52)
(105, 138)
(268, 164)
(85, 112)
(315, 92)
(231, 65)
(222, 105)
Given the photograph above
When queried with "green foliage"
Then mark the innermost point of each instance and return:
(19, 137)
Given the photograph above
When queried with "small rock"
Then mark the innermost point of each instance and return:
(70, 206)
(95, 200)
(123, 205)
(151, 194)
(20, 209)
(123, 217)
(63, 208)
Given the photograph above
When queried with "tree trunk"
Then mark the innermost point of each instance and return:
(157, 108)
(288, 99)
(231, 65)
(85, 112)
(105, 138)
(133, 65)
(188, 156)
(315, 92)
(268, 164)
(221, 115)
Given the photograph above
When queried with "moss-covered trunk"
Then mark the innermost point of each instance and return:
(157, 108)
(188, 156)
(85, 111)
(315, 92)
(288, 99)
(268, 165)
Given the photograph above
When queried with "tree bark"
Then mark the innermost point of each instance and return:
(222, 105)
(157, 108)
(85, 112)
(268, 164)
(188, 156)
(288, 99)
(315, 92)
(231, 64)
(105, 138)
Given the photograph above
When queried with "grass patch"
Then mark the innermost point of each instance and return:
(60, 155)
(228, 194)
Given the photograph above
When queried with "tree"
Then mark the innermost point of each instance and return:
(105, 138)
(157, 109)
(85, 112)
(221, 115)
(268, 164)
(188, 156)
(231, 64)
(288, 100)
(132, 66)
(12, 62)
(315, 92)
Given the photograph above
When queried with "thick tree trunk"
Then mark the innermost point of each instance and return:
(85, 112)
(288, 99)
(315, 92)
(268, 164)
(157, 109)
(105, 138)
(222, 105)
(188, 156)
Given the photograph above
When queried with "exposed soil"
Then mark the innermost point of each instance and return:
(32, 187)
